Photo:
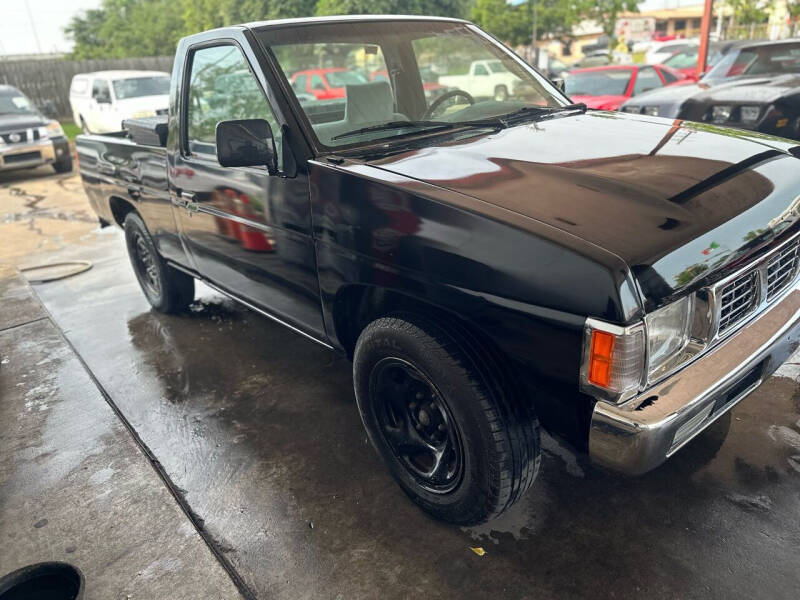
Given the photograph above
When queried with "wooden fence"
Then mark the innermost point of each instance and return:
(48, 80)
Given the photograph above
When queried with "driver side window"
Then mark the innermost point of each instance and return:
(101, 91)
(222, 88)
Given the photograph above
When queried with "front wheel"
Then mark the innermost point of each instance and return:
(63, 165)
(450, 435)
(168, 290)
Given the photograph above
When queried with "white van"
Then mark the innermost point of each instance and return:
(100, 101)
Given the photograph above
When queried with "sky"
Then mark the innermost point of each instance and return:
(19, 36)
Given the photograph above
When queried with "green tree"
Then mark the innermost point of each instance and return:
(511, 24)
(748, 12)
(123, 28)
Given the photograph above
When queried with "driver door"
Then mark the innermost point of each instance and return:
(246, 231)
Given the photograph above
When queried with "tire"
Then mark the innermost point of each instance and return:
(489, 443)
(64, 165)
(501, 93)
(168, 290)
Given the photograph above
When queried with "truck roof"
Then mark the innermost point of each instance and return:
(346, 18)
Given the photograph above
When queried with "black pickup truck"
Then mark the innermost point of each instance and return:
(488, 264)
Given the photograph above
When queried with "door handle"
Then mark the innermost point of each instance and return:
(186, 200)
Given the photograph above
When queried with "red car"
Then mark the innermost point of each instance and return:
(608, 87)
(325, 84)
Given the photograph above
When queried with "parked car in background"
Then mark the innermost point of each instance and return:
(597, 58)
(685, 61)
(754, 86)
(606, 88)
(100, 101)
(488, 266)
(326, 84)
(485, 79)
(661, 51)
(27, 137)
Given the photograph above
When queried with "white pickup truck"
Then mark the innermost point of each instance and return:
(486, 78)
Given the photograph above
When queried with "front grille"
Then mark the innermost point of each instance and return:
(22, 157)
(781, 269)
(737, 300)
(23, 135)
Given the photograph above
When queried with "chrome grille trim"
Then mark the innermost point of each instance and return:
(746, 293)
(781, 269)
(737, 300)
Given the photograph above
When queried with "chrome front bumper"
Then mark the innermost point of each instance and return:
(642, 433)
(31, 154)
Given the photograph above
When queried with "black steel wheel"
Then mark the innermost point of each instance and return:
(436, 410)
(416, 424)
(168, 290)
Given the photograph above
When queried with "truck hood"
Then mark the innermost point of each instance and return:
(664, 196)
(18, 122)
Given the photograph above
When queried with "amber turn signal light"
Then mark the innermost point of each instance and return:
(600, 355)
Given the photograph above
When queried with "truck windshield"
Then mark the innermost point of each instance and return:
(12, 102)
(136, 87)
(401, 78)
(769, 59)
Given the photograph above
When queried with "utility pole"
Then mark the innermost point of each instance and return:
(33, 26)
(705, 30)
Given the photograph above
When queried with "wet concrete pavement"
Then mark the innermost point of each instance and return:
(74, 486)
(258, 428)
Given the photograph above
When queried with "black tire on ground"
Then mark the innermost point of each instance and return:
(501, 93)
(492, 441)
(63, 165)
(168, 290)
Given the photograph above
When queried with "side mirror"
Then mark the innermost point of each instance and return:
(246, 143)
(561, 84)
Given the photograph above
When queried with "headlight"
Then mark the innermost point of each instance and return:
(720, 114)
(631, 109)
(53, 129)
(651, 110)
(619, 361)
(668, 333)
(750, 114)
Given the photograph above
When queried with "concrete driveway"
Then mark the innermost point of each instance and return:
(258, 430)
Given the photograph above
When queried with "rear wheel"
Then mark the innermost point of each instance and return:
(168, 290)
(501, 93)
(451, 436)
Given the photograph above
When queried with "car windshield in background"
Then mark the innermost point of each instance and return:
(772, 59)
(443, 74)
(343, 78)
(14, 103)
(137, 87)
(608, 82)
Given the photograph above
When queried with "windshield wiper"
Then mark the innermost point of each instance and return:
(430, 124)
(526, 111)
